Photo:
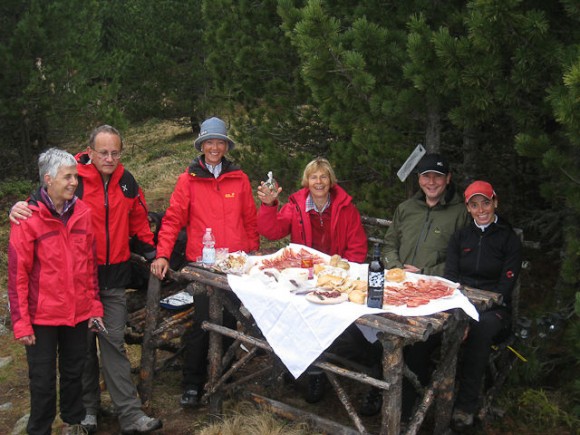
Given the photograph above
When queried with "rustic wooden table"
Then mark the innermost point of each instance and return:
(394, 332)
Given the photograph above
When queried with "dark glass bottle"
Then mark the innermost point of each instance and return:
(376, 280)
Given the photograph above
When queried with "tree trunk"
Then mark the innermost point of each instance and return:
(433, 127)
(469, 154)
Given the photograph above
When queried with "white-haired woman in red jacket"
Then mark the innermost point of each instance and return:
(53, 292)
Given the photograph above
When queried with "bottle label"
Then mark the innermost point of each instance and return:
(376, 289)
(377, 279)
(208, 256)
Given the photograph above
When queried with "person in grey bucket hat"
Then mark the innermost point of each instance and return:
(213, 128)
(215, 193)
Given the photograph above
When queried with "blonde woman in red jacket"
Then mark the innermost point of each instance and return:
(322, 216)
(53, 292)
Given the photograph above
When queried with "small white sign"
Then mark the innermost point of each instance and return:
(411, 162)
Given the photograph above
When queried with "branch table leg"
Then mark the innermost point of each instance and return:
(393, 374)
(445, 394)
(215, 350)
(148, 348)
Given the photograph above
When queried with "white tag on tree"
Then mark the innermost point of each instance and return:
(411, 162)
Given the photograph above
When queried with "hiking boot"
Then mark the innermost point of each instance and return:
(315, 391)
(143, 424)
(90, 423)
(73, 429)
(189, 399)
(372, 402)
(461, 420)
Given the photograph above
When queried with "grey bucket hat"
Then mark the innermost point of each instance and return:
(213, 128)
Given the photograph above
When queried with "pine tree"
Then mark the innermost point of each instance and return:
(50, 55)
(254, 74)
(156, 51)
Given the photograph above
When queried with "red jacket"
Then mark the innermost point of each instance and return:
(52, 272)
(119, 212)
(199, 201)
(349, 239)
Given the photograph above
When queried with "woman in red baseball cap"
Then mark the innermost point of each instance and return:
(486, 254)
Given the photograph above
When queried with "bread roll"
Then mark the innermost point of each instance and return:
(361, 285)
(396, 275)
(357, 296)
(334, 260)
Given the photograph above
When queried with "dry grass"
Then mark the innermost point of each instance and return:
(156, 153)
(13, 382)
(246, 420)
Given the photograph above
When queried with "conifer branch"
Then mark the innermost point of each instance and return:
(574, 180)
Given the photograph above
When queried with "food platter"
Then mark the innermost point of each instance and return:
(290, 257)
(236, 263)
(417, 290)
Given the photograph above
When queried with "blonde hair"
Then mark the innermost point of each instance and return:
(318, 164)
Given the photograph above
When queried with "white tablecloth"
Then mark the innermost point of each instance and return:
(299, 331)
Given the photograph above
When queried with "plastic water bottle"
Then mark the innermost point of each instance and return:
(376, 280)
(208, 253)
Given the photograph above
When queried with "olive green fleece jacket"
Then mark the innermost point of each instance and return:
(419, 234)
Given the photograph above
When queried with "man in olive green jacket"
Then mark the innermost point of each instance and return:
(417, 242)
(422, 225)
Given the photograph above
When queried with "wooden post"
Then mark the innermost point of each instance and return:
(215, 351)
(392, 373)
(148, 348)
(445, 390)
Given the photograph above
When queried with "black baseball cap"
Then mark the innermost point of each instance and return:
(433, 163)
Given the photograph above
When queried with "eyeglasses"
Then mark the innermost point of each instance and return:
(115, 155)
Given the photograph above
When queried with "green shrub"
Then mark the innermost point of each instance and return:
(543, 411)
(15, 188)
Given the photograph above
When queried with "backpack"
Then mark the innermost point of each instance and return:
(177, 259)
(139, 279)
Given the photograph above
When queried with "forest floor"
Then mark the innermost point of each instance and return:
(156, 154)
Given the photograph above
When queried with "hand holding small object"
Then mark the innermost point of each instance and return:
(97, 324)
(268, 195)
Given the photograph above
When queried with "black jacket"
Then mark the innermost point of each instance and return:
(489, 260)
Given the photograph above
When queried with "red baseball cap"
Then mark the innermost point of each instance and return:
(479, 188)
